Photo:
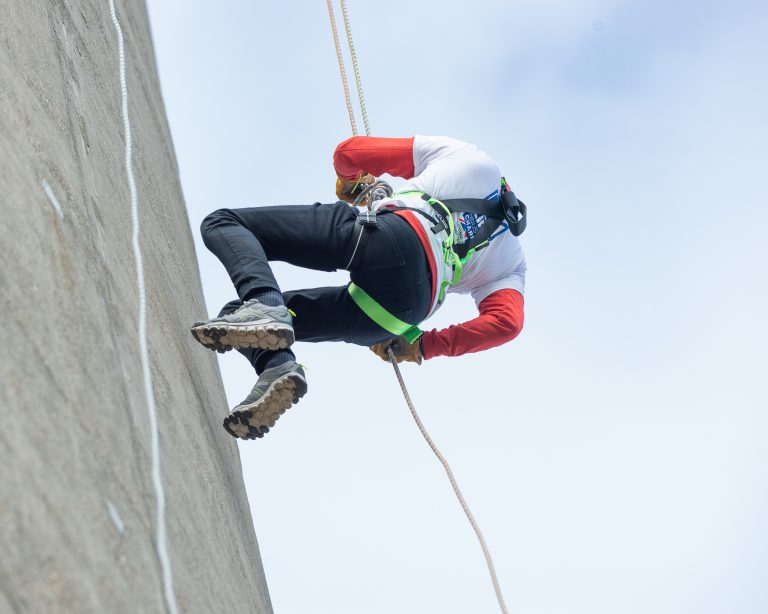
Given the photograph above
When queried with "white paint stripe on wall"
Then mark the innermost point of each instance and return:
(52, 199)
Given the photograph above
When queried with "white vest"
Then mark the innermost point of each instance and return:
(446, 168)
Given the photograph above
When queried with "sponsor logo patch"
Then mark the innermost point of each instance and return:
(470, 224)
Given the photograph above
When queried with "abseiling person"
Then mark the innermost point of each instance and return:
(443, 232)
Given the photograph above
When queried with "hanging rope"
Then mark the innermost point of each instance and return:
(356, 69)
(341, 66)
(454, 484)
(393, 360)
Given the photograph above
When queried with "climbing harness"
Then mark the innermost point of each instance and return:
(507, 210)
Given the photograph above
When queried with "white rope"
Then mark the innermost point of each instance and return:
(342, 70)
(162, 547)
(354, 252)
(454, 484)
(393, 360)
(356, 69)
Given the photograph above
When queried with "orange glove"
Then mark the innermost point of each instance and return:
(401, 348)
(349, 189)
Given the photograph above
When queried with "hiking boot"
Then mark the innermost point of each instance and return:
(253, 325)
(277, 389)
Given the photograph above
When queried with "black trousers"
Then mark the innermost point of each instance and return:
(389, 263)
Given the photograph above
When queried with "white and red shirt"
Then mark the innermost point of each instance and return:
(447, 168)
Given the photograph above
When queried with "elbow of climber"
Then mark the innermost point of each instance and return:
(343, 160)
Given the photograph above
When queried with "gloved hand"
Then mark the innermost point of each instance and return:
(380, 192)
(401, 348)
(349, 189)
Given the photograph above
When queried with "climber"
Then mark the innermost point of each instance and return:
(401, 265)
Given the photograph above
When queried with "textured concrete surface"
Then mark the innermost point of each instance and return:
(77, 506)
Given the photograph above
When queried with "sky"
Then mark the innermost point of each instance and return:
(614, 454)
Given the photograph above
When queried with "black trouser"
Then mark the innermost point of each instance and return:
(389, 264)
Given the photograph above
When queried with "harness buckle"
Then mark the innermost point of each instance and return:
(367, 218)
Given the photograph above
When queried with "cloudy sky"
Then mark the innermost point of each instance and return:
(615, 453)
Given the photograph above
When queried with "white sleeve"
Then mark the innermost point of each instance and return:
(449, 168)
(428, 149)
(514, 281)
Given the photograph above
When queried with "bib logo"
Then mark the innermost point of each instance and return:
(470, 225)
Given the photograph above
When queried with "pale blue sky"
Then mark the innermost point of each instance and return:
(615, 453)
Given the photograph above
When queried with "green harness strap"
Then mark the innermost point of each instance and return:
(381, 316)
(386, 320)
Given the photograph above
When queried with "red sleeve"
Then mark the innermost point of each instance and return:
(500, 320)
(375, 155)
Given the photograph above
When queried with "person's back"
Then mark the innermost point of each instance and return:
(401, 263)
(447, 168)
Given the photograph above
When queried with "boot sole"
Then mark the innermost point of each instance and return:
(255, 419)
(222, 337)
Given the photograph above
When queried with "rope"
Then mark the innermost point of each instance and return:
(393, 360)
(454, 484)
(162, 547)
(341, 67)
(375, 191)
(358, 81)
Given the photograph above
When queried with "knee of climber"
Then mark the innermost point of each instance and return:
(213, 220)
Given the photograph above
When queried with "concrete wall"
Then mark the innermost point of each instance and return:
(77, 505)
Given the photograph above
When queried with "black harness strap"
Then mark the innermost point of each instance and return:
(479, 240)
(437, 226)
(488, 208)
(508, 208)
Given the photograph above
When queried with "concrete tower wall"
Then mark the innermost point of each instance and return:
(78, 508)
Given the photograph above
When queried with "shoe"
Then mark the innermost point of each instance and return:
(277, 389)
(253, 325)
